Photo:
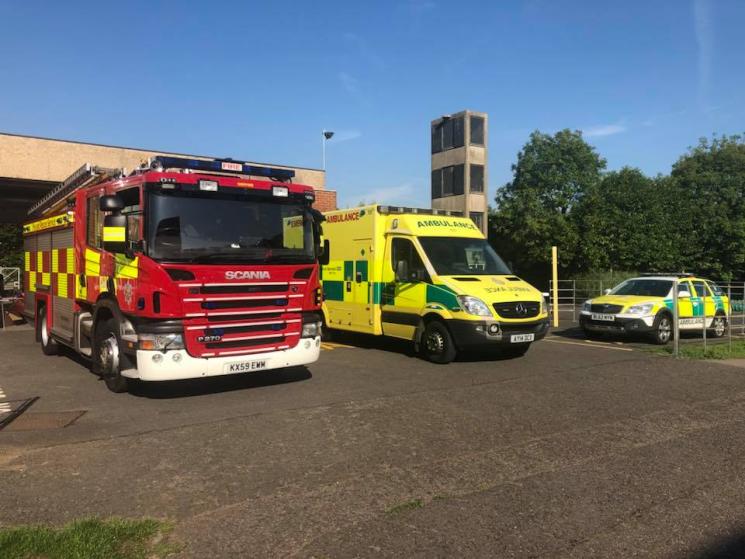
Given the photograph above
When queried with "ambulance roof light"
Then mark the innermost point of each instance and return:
(231, 166)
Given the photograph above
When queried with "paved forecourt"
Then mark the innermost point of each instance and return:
(578, 449)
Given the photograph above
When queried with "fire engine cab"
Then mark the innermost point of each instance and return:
(184, 268)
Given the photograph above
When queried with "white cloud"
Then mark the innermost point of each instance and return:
(389, 194)
(344, 136)
(604, 130)
(705, 43)
(349, 83)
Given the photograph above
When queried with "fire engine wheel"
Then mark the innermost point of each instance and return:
(719, 326)
(48, 345)
(108, 358)
(437, 344)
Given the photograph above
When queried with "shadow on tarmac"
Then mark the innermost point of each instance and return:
(406, 348)
(732, 547)
(163, 390)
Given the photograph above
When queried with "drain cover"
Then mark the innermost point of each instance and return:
(11, 409)
(45, 420)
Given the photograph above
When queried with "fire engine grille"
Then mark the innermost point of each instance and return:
(249, 304)
(227, 289)
(518, 309)
(245, 343)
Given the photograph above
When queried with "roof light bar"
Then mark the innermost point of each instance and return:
(220, 166)
(423, 211)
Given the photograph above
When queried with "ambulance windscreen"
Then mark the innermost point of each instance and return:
(455, 256)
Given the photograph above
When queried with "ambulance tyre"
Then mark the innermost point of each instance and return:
(662, 329)
(718, 326)
(437, 344)
(108, 359)
(48, 345)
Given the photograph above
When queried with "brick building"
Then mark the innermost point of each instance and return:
(30, 167)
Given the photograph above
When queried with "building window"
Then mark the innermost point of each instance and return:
(477, 218)
(477, 130)
(447, 134)
(437, 183)
(477, 178)
(458, 180)
(447, 181)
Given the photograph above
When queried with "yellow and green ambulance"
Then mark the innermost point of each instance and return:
(427, 276)
(645, 305)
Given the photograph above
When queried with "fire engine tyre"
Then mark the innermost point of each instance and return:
(662, 329)
(48, 345)
(108, 359)
(437, 344)
(719, 326)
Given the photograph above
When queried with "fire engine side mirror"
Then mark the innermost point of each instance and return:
(111, 203)
(325, 256)
(115, 233)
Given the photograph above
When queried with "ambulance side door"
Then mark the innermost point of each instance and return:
(685, 304)
(404, 291)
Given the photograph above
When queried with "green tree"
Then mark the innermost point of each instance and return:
(629, 222)
(11, 245)
(535, 210)
(711, 180)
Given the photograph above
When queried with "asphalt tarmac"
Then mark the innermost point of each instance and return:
(578, 449)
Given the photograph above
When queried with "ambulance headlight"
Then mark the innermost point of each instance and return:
(642, 309)
(160, 342)
(473, 305)
(311, 330)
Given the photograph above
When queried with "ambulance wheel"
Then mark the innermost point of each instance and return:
(662, 329)
(437, 344)
(718, 326)
(48, 345)
(108, 359)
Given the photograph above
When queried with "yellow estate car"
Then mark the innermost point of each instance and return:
(644, 305)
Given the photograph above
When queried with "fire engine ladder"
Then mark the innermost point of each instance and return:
(87, 175)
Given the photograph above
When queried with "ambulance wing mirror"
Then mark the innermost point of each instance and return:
(402, 271)
(682, 294)
(115, 233)
(325, 256)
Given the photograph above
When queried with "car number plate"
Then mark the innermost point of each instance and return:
(607, 317)
(518, 338)
(244, 366)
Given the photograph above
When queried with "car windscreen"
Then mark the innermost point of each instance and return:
(457, 256)
(644, 288)
(223, 227)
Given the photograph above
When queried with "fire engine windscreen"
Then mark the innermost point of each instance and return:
(191, 227)
(454, 256)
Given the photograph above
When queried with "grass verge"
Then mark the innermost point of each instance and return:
(695, 350)
(88, 539)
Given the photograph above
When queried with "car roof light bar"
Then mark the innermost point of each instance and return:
(220, 166)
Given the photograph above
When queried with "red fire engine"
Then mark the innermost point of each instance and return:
(185, 268)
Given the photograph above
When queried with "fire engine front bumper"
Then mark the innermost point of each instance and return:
(178, 364)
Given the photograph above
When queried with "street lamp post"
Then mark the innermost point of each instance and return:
(327, 135)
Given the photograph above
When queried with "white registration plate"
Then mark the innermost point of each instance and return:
(606, 317)
(244, 366)
(691, 321)
(520, 338)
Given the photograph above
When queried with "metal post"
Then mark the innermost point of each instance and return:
(729, 315)
(601, 288)
(703, 303)
(574, 301)
(555, 283)
(676, 328)
(323, 143)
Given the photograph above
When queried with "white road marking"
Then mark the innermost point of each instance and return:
(593, 345)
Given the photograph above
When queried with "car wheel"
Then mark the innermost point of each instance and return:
(718, 326)
(662, 329)
(108, 357)
(437, 344)
(48, 344)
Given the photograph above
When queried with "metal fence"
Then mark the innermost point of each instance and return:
(11, 279)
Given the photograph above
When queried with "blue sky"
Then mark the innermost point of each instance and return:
(259, 81)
